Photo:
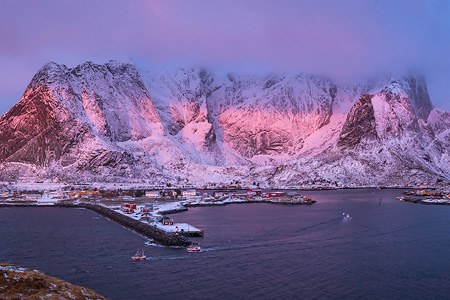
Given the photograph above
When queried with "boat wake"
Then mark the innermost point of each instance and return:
(156, 258)
(346, 217)
(151, 243)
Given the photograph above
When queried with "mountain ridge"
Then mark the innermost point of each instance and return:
(115, 122)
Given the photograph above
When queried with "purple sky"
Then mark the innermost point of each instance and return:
(343, 39)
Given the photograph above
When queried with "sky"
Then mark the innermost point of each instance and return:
(344, 39)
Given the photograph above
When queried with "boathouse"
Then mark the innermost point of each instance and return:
(168, 194)
(128, 208)
(129, 205)
(147, 209)
(275, 194)
(152, 194)
(33, 197)
(218, 195)
(167, 221)
(189, 193)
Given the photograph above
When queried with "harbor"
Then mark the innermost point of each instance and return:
(162, 237)
(147, 212)
(87, 249)
(427, 197)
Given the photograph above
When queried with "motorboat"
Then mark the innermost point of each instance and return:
(193, 248)
(346, 217)
(140, 255)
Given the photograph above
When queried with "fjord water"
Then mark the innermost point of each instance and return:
(388, 250)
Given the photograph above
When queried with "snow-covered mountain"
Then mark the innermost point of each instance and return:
(112, 122)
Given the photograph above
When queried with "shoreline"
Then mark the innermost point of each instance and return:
(185, 207)
(157, 235)
(426, 201)
(163, 236)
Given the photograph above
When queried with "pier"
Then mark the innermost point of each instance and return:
(426, 201)
(159, 236)
(183, 229)
(156, 234)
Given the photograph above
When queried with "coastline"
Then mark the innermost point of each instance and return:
(159, 236)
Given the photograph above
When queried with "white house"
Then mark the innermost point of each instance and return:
(189, 193)
(152, 194)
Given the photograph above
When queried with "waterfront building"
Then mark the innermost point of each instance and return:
(152, 194)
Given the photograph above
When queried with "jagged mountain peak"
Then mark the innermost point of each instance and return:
(414, 88)
(50, 73)
(360, 125)
(113, 66)
(52, 66)
(63, 108)
(106, 120)
(392, 113)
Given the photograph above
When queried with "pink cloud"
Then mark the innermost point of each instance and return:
(344, 39)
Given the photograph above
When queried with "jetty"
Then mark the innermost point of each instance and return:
(239, 200)
(426, 201)
(146, 211)
(181, 228)
(161, 237)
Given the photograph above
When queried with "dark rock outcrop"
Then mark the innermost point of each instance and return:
(25, 284)
(153, 233)
(360, 124)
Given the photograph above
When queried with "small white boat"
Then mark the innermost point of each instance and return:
(140, 255)
(346, 217)
(193, 248)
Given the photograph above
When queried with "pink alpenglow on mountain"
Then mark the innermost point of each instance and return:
(112, 122)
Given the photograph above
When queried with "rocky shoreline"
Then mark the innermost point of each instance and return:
(22, 283)
(159, 236)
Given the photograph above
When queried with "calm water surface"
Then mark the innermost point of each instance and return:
(388, 250)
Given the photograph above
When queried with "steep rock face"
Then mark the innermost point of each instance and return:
(64, 108)
(182, 99)
(416, 89)
(38, 129)
(100, 122)
(439, 121)
(385, 139)
(390, 114)
(238, 117)
(114, 101)
(360, 124)
(272, 115)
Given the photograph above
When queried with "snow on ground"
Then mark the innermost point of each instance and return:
(177, 227)
(37, 186)
(168, 206)
(12, 269)
(228, 200)
(47, 200)
(436, 201)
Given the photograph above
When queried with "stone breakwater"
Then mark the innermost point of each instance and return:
(157, 235)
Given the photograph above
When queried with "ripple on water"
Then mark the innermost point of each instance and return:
(393, 250)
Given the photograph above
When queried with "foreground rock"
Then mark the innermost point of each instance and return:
(21, 283)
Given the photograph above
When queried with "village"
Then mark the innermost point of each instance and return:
(149, 207)
(427, 196)
(142, 206)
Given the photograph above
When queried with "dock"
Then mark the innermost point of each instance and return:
(161, 237)
(277, 201)
(426, 201)
(183, 229)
